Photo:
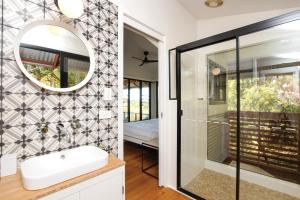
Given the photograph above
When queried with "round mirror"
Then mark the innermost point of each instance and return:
(54, 56)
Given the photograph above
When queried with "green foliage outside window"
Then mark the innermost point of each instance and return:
(51, 76)
(47, 75)
(268, 94)
(75, 77)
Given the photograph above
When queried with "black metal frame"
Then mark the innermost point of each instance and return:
(67, 54)
(170, 78)
(145, 169)
(62, 55)
(223, 37)
(141, 105)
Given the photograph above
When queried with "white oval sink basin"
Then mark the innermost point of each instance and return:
(44, 171)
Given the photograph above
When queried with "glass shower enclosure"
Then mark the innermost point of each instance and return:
(239, 113)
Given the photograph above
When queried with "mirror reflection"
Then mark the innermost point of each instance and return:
(54, 56)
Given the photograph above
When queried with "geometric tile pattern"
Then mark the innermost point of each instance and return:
(25, 106)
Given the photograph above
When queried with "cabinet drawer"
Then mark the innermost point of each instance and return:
(109, 189)
(107, 186)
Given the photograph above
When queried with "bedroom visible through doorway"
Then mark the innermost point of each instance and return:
(140, 108)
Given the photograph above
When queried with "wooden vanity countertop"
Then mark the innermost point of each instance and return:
(11, 187)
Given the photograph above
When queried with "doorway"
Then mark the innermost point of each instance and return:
(162, 89)
(127, 20)
(140, 100)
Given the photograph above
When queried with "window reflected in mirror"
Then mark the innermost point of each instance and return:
(54, 56)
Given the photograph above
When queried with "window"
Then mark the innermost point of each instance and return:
(146, 100)
(125, 99)
(54, 68)
(137, 100)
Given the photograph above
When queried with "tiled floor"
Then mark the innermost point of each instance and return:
(216, 186)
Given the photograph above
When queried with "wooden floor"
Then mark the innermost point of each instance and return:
(140, 186)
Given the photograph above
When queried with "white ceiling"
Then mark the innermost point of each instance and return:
(134, 45)
(234, 7)
(140, 44)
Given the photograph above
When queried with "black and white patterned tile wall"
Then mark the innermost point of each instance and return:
(25, 106)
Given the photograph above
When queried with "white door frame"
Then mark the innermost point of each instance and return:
(162, 90)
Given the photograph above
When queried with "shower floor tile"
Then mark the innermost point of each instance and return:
(212, 185)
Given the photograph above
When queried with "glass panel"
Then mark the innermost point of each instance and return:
(134, 100)
(45, 68)
(125, 100)
(221, 126)
(76, 70)
(145, 100)
(270, 105)
(208, 96)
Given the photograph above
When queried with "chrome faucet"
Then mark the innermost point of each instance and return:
(61, 129)
(75, 124)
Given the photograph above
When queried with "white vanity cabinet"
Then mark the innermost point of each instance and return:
(107, 186)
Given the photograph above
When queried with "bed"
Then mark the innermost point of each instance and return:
(141, 131)
(144, 133)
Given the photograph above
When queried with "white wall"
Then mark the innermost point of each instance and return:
(167, 17)
(178, 27)
(209, 27)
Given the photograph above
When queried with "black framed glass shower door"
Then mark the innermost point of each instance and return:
(239, 112)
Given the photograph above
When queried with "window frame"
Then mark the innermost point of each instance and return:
(62, 55)
(140, 99)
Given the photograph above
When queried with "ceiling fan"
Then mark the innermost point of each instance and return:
(145, 60)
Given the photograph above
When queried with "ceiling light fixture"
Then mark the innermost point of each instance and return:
(216, 71)
(70, 8)
(214, 3)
